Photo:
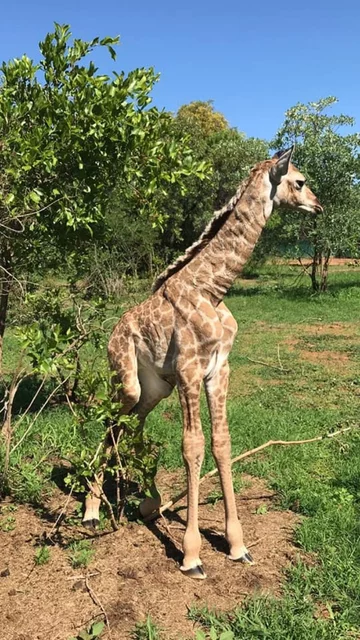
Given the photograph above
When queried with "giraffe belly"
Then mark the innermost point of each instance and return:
(154, 384)
(157, 357)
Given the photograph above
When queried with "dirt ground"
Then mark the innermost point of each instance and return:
(333, 262)
(135, 570)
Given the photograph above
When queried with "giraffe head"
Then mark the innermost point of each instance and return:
(289, 188)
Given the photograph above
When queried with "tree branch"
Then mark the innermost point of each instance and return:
(98, 603)
(37, 415)
(242, 456)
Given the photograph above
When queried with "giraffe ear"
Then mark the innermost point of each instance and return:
(281, 167)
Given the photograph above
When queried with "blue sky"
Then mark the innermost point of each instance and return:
(254, 59)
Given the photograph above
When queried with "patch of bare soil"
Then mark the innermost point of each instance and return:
(334, 262)
(243, 382)
(327, 358)
(135, 571)
(347, 329)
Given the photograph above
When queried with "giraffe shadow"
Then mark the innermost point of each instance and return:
(216, 540)
(172, 551)
(28, 393)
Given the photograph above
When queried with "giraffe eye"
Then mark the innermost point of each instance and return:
(299, 184)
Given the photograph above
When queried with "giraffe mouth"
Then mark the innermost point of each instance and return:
(313, 208)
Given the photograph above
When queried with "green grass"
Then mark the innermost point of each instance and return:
(80, 553)
(309, 385)
(7, 520)
(42, 555)
(91, 633)
(146, 631)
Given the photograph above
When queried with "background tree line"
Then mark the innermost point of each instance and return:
(325, 151)
(97, 183)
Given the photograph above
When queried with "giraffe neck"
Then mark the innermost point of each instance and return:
(214, 269)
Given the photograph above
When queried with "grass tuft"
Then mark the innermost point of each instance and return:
(80, 553)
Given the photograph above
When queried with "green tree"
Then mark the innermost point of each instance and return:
(230, 155)
(329, 157)
(68, 134)
(204, 116)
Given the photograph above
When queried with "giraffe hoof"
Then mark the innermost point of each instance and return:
(196, 572)
(244, 559)
(93, 523)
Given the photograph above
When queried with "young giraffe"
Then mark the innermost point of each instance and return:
(182, 335)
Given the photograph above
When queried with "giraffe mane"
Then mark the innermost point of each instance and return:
(217, 221)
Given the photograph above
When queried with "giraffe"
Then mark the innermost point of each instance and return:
(182, 335)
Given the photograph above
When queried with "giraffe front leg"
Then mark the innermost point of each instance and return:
(91, 517)
(193, 454)
(216, 391)
(152, 502)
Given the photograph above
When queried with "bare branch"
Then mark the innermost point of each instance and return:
(11, 275)
(98, 603)
(28, 214)
(6, 430)
(37, 415)
(62, 512)
(242, 456)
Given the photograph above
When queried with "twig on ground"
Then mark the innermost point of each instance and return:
(253, 544)
(98, 603)
(267, 364)
(279, 360)
(167, 528)
(62, 512)
(89, 575)
(242, 456)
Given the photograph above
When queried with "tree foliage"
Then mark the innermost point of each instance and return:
(329, 157)
(204, 116)
(230, 155)
(68, 134)
(133, 244)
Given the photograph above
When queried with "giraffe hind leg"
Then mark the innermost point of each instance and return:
(125, 368)
(153, 390)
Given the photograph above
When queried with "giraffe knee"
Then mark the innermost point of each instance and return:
(193, 447)
(129, 394)
(220, 446)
